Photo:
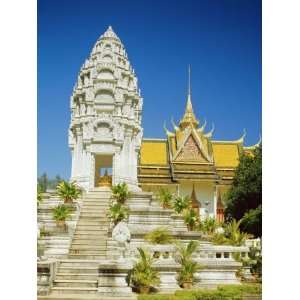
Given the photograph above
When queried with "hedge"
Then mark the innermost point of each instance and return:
(223, 292)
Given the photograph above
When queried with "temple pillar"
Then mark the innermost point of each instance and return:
(215, 200)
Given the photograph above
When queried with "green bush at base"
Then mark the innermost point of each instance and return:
(223, 292)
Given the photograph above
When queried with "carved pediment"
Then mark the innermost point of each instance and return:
(190, 151)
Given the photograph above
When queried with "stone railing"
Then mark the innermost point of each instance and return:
(46, 271)
(209, 251)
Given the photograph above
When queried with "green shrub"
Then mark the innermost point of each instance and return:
(61, 213)
(159, 235)
(39, 197)
(232, 235)
(165, 198)
(143, 274)
(223, 292)
(191, 219)
(208, 225)
(184, 258)
(68, 191)
(181, 203)
(117, 212)
(120, 192)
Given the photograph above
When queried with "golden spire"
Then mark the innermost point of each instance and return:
(189, 118)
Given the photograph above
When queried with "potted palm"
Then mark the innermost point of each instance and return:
(120, 192)
(233, 233)
(188, 266)
(191, 219)
(159, 236)
(117, 212)
(60, 214)
(143, 275)
(181, 203)
(68, 191)
(165, 198)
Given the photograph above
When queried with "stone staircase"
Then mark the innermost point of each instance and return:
(78, 275)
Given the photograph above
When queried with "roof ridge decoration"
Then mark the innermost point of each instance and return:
(201, 129)
(255, 145)
(168, 133)
(238, 141)
(192, 132)
(189, 119)
(209, 134)
(174, 124)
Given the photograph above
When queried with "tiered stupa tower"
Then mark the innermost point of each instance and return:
(105, 131)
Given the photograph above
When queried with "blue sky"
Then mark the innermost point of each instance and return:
(221, 39)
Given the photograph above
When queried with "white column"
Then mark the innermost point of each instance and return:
(215, 200)
(79, 155)
(92, 171)
(73, 163)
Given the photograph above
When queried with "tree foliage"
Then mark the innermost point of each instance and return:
(47, 183)
(246, 192)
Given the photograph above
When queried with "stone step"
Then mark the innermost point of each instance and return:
(76, 247)
(92, 234)
(75, 270)
(96, 202)
(86, 238)
(78, 276)
(94, 212)
(89, 215)
(89, 224)
(90, 230)
(93, 251)
(89, 241)
(91, 263)
(95, 220)
(79, 296)
(73, 290)
(88, 256)
(75, 283)
(96, 207)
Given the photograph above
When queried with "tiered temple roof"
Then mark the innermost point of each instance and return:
(189, 153)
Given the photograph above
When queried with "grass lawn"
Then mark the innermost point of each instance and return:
(222, 292)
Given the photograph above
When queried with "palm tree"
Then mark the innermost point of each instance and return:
(165, 198)
(234, 234)
(120, 192)
(68, 191)
(60, 214)
(143, 275)
(117, 212)
(188, 266)
(181, 203)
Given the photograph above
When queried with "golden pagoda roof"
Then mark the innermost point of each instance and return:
(189, 152)
(188, 119)
(153, 152)
(226, 155)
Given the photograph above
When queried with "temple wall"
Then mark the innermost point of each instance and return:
(204, 193)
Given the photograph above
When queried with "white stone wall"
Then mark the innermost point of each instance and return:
(106, 108)
(205, 193)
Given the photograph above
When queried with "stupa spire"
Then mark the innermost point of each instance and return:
(189, 118)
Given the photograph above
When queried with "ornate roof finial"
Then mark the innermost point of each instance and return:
(209, 134)
(201, 129)
(174, 125)
(168, 133)
(189, 118)
(189, 91)
(241, 139)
